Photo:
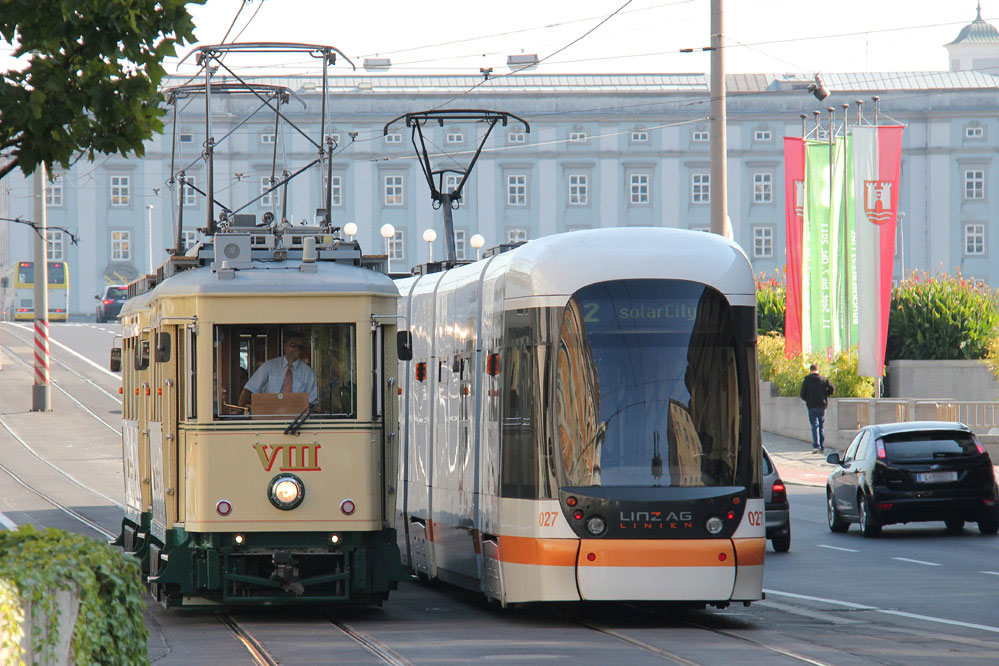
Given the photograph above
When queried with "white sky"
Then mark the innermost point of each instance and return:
(780, 35)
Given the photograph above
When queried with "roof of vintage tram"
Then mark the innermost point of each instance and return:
(282, 277)
(562, 264)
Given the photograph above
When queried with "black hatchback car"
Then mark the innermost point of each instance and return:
(910, 472)
(110, 301)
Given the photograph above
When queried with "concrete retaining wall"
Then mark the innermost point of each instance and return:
(789, 417)
(942, 380)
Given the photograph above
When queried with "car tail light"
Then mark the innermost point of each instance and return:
(108, 301)
(880, 443)
(885, 506)
(779, 492)
(981, 449)
(989, 502)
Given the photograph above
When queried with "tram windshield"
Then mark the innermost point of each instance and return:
(272, 371)
(650, 387)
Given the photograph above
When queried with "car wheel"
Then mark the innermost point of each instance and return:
(868, 526)
(836, 522)
(988, 526)
(782, 543)
(954, 526)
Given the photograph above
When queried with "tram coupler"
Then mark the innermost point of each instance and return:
(286, 573)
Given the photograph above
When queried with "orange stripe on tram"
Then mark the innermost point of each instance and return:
(749, 552)
(528, 550)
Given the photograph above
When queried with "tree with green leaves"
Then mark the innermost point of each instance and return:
(91, 78)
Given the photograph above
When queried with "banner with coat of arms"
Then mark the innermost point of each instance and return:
(841, 203)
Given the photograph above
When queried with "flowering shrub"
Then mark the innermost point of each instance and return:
(771, 302)
(938, 317)
(787, 373)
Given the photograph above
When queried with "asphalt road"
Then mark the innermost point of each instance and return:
(916, 596)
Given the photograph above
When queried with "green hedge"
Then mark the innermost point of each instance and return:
(109, 627)
(941, 317)
(787, 373)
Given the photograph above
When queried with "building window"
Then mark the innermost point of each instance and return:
(578, 189)
(455, 137)
(700, 188)
(974, 132)
(270, 198)
(185, 137)
(460, 244)
(336, 190)
(53, 191)
(700, 136)
(640, 189)
(393, 137)
(974, 184)
(120, 191)
(640, 136)
(974, 239)
(268, 137)
(190, 238)
(763, 187)
(762, 136)
(54, 248)
(516, 189)
(516, 137)
(121, 246)
(451, 181)
(577, 136)
(516, 235)
(397, 246)
(763, 242)
(190, 194)
(393, 191)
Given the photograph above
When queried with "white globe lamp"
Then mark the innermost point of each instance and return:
(477, 241)
(429, 235)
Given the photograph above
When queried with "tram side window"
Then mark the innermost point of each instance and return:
(255, 364)
(520, 475)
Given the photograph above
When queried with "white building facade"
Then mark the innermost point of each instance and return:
(602, 151)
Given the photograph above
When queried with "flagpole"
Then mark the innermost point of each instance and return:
(847, 268)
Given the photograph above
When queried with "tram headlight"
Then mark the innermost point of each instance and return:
(596, 525)
(286, 491)
(714, 525)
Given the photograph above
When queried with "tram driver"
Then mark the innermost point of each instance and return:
(287, 373)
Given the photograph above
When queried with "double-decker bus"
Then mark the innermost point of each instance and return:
(18, 288)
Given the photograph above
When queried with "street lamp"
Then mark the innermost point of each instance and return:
(477, 241)
(430, 236)
(387, 231)
(149, 222)
(350, 229)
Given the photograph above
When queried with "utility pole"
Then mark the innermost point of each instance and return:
(41, 399)
(149, 236)
(719, 148)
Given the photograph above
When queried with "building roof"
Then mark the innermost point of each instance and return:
(863, 81)
(977, 32)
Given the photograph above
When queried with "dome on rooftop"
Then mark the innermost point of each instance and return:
(977, 32)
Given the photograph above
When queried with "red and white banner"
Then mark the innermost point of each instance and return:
(794, 212)
(877, 158)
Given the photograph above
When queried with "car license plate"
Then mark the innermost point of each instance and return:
(936, 477)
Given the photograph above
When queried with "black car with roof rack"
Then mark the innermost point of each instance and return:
(911, 472)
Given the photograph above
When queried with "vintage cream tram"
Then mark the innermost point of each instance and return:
(580, 421)
(287, 497)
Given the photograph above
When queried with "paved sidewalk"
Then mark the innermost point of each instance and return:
(795, 461)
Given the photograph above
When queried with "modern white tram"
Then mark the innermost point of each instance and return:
(580, 421)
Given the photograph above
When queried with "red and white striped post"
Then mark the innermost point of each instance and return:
(41, 398)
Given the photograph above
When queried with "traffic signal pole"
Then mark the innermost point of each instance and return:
(41, 398)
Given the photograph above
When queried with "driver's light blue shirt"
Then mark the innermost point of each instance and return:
(269, 378)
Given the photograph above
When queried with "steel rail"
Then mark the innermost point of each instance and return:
(383, 652)
(256, 649)
(69, 395)
(53, 501)
(666, 654)
(771, 648)
(60, 363)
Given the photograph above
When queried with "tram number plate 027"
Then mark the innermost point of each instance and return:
(936, 477)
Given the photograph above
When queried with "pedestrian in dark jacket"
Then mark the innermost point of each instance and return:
(815, 391)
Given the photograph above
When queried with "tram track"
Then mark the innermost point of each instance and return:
(380, 650)
(684, 661)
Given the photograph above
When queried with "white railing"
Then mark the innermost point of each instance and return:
(855, 413)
